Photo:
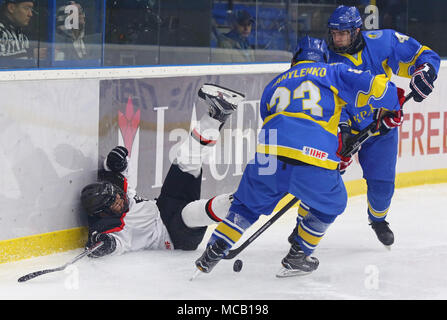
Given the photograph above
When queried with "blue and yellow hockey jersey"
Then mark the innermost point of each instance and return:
(301, 109)
(386, 52)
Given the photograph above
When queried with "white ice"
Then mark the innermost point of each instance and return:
(353, 264)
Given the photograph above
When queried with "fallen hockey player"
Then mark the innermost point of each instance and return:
(178, 218)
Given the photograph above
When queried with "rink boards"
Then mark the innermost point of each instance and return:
(57, 126)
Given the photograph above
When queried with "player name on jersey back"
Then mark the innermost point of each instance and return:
(299, 73)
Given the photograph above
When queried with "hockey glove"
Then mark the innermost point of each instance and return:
(117, 159)
(109, 244)
(344, 134)
(393, 119)
(422, 81)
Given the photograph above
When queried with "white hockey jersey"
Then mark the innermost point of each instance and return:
(141, 227)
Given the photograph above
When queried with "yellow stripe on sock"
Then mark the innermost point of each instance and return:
(229, 232)
(377, 214)
(309, 238)
(302, 212)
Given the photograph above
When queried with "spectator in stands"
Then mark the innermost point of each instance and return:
(14, 43)
(71, 41)
(241, 23)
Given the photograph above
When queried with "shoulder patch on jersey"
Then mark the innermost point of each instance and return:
(376, 34)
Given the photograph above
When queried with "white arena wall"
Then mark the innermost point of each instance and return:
(57, 125)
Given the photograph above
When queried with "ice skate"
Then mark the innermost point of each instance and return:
(222, 101)
(296, 263)
(212, 255)
(383, 232)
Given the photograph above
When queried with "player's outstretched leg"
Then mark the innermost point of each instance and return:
(383, 232)
(296, 263)
(222, 101)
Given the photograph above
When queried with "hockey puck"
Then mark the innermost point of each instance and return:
(237, 266)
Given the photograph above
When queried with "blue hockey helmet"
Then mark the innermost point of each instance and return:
(346, 18)
(309, 48)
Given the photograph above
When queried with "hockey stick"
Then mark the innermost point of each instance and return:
(35, 274)
(233, 253)
(356, 141)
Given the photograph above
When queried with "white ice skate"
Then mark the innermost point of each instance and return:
(222, 101)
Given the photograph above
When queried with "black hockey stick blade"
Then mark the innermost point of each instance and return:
(35, 274)
(233, 253)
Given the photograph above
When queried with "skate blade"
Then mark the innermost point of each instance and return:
(387, 247)
(196, 273)
(286, 273)
(229, 95)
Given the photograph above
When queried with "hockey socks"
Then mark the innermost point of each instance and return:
(310, 230)
(376, 215)
(206, 212)
(230, 229)
(197, 148)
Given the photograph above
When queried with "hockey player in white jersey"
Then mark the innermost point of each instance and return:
(178, 218)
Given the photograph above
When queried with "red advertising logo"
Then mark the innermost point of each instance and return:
(128, 124)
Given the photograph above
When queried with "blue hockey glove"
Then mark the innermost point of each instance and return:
(422, 81)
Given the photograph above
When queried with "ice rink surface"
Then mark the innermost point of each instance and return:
(353, 264)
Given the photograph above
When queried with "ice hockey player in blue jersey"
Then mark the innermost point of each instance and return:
(297, 152)
(379, 52)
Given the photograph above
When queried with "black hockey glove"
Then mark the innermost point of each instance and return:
(344, 134)
(117, 159)
(422, 81)
(109, 244)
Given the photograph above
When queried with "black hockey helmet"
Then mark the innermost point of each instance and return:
(98, 197)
